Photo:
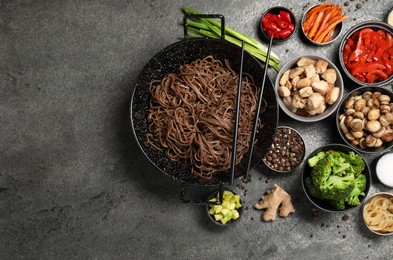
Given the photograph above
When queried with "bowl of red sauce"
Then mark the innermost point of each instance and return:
(278, 22)
(366, 53)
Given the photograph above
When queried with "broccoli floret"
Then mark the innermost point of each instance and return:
(360, 186)
(314, 160)
(340, 165)
(343, 163)
(361, 181)
(357, 163)
(338, 187)
(321, 171)
(314, 191)
(338, 204)
(353, 198)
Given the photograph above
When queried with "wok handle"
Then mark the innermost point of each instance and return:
(202, 202)
(203, 16)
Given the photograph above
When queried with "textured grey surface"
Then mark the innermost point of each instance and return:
(73, 182)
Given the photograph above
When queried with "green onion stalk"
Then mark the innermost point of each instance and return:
(211, 28)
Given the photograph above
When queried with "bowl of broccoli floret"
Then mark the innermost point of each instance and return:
(336, 178)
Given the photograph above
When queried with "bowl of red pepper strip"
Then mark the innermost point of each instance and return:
(366, 53)
(278, 22)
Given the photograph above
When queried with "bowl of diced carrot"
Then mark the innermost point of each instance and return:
(322, 24)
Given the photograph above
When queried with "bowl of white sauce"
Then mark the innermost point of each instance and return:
(384, 169)
(389, 17)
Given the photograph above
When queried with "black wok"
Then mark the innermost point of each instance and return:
(169, 60)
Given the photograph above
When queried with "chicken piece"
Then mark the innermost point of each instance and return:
(298, 101)
(321, 66)
(288, 103)
(306, 92)
(284, 91)
(320, 86)
(294, 82)
(317, 111)
(332, 95)
(330, 76)
(314, 101)
(306, 82)
(310, 71)
(315, 78)
(284, 78)
(296, 72)
(304, 61)
(288, 85)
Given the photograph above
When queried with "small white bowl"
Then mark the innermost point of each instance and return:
(383, 172)
(389, 17)
(329, 110)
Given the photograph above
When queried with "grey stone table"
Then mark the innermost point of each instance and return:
(73, 182)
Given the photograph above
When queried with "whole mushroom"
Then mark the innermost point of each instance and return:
(371, 141)
(357, 124)
(373, 126)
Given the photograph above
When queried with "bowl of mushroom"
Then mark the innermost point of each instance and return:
(310, 88)
(365, 119)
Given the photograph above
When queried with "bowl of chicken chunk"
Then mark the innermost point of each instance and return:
(309, 88)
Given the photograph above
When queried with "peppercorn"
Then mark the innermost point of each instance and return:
(287, 150)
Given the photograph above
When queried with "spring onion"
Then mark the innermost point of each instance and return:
(212, 29)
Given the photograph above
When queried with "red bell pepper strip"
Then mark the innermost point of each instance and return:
(291, 27)
(274, 27)
(362, 68)
(285, 33)
(283, 24)
(375, 75)
(388, 65)
(285, 16)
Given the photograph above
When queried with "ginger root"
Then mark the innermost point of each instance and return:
(272, 201)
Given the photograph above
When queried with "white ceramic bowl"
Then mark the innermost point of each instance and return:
(383, 169)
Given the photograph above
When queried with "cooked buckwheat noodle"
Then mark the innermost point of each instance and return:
(191, 115)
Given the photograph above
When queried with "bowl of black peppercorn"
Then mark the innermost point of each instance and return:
(286, 152)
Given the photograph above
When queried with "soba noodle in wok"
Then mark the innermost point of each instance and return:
(191, 115)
